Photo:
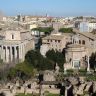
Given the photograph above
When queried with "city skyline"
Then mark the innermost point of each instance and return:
(51, 7)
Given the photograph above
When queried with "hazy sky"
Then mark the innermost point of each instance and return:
(52, 7)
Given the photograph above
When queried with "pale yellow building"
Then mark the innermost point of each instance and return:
(32, 26)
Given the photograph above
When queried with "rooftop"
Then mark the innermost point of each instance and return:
(75, 46)
(54, 37)
(88, 35)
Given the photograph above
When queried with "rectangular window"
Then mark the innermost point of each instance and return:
(58, 41)
(12, 36)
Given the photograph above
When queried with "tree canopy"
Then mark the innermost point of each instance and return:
(66, 30)
(56, 57)
(80, 17)
(47, 30)
(35, 59)
(51, 55)
(93, 60)
(22, 70)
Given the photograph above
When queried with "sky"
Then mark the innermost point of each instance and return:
(50, 7)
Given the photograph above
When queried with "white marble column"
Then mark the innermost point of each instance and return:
(7, 54)
(20, 52)
(11, 55)
(72, 63)
(66, 92)
(88, 64)
(1, 51)
(15, 52)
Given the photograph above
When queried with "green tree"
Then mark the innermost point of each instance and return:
(60, 59)
(51, 55)
(35, 59)
(11, 73)
(56, 57)
(93, 60)
(22, 70)
(66, 30)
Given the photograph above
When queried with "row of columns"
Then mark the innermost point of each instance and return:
(11, 53)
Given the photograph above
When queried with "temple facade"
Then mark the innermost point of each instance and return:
(75, 56)
(14, 45)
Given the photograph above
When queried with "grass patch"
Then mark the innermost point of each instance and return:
(50, 94)
(90, 78)
(22, 94)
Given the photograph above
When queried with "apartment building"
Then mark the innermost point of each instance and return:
(55, 41)
(87, 26)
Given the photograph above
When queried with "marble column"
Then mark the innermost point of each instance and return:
(11, 55)
(15, 52)
(72, 63)
(1, 51)
(7, 54)
(66, 92)
(20, 52)
(88, 64)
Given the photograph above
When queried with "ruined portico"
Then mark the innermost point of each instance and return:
(13, 46)
(11, 52)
